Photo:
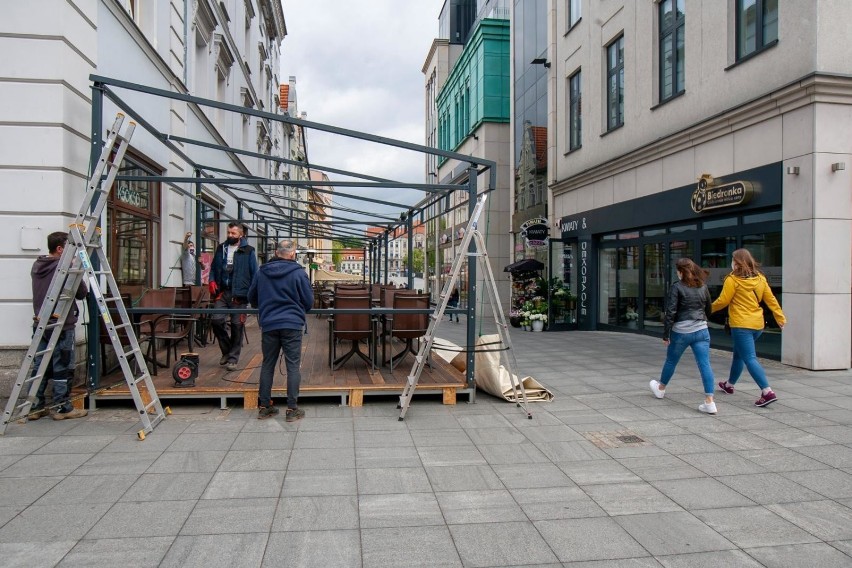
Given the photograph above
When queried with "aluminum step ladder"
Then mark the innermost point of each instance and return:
(75, 267)
(471, 234)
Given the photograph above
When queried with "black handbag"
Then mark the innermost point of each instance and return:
(727, 326)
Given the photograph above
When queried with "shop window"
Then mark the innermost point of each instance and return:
(615, 84)
(762, 217)
(719, 223)
(619, 286)
(756, 26)
(133, 224)
(653, 232)
(683, 228)
(672, 48)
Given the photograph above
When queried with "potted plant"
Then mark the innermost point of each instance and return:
(515, 318)
(538, 321)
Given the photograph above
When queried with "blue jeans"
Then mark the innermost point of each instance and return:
(700, 343)
(744, 355)
(272, 343)
(60, 371)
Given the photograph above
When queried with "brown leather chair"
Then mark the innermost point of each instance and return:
(407, 327)
(351, 327)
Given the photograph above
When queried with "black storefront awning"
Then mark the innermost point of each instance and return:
(526, 265)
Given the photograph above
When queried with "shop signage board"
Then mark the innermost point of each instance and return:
(707, 196)
(536, 232)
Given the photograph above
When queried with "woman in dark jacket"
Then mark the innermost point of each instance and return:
(685, 325)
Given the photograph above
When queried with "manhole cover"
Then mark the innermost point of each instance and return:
(620, 439)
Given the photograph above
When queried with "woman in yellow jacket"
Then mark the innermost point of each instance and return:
(742, 292)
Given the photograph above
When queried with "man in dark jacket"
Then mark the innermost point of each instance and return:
(281, 291)
(234, 266)
(61, 368)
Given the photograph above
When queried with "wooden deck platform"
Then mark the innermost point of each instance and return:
(352, 382)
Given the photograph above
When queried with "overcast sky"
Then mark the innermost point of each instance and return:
(358, 65)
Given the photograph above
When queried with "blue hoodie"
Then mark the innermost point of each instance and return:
(281, 291)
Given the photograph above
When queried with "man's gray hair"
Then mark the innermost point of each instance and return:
(286, 247)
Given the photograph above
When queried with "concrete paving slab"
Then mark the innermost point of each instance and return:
(598, 472)
(203, 551)
(168, 487)
(766, 488)
(126, 552)
(461, 507)
(320, 482)
(34, 554)
(499, 454)
(230, 516)
(532, 476)
(463, 478)
(393, 480)
(133, 519)
(776, 460)
(255, 460)
(314, 549)
(658, 468)
(454, 455)
(727, 558)
(20, 491)
(382, 438)
(749, 527)
(575, 540)
(386, 457)
(188, 442)
(187, 462)
(424, 547)
(399, 510)
(336, 512)
(244, 484)
(50, 523)
(501, 544)
(673, 533)
(88, 489)
(826, 520)
(795, 556)
(114, 463)
(630, 498)
(75, 445)
(263, 441)
(325, 458)
(46, 465)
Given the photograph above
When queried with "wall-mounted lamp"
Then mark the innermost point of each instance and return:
(837, 166)
(541, 61)
(475, 137)
(793, 170)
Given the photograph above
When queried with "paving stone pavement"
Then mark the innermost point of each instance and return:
(466, 485)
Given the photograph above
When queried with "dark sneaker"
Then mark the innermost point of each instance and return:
(73, 413)
(725, 387)
(36, 413)
(231, 367)
(766, 399)
(223, 360)
(294, 414)
(266, 412)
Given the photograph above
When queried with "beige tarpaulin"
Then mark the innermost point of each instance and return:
(323, 275)
(491, 376)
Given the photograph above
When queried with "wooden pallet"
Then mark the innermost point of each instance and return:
(351, 383)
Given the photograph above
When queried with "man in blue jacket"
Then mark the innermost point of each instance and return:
(281, 291)
(234, 266)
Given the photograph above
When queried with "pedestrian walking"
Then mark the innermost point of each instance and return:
(234, 267)
(742, 293)
(282, 293)
(453, 303)
(60, 371)
(685, 325)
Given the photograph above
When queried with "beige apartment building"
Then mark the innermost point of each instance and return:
(695, 127)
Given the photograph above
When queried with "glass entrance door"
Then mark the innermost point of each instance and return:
(562, 284)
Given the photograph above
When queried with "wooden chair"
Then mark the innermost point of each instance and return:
(155, 325)
(203, 329)
(408, 327)
(351, 327)
(387, 319)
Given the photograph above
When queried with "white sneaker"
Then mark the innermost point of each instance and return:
(709, 408)
(655, 388)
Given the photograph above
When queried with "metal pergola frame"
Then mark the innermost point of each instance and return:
(274, 211)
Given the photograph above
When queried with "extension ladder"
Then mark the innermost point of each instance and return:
(471, 234)
(75, 267)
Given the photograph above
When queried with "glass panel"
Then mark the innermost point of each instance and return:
(746, 27)
(620, 119)
(563, 284)
(677, 250)
(666, 15)
(132, 235)
(608, 263)
(628, 287)
(609, 237)
(133, 193)
(716, 258)
(679, 62)
(654, 232)
(766, 249)
(770, 21)
(681, 8)
(613, 102)
(666, 70)
(655, 286)
(762, 217)
(716, 223)
(573, 12)
(628, 236)
(683, 228)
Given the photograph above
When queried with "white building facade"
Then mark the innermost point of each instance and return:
(753, 98)
(228, 51)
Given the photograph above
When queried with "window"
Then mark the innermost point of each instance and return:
(134, 225)
(672, 26)
(573, 12)
(615, 84)
(757, 25)
(575, 112)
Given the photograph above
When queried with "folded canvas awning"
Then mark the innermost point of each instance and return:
(526, 265)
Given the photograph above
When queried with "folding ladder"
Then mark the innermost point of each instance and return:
(471, 234)
(75, 266)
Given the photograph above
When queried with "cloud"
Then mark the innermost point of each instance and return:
(358, 66)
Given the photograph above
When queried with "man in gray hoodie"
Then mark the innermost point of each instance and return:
(61, 368)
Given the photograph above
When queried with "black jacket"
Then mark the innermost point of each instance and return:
(685, 303)
(42, 274)
(245, 267)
